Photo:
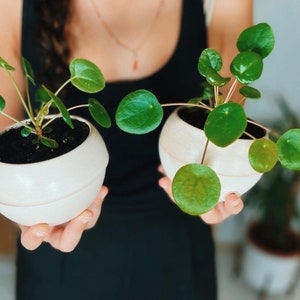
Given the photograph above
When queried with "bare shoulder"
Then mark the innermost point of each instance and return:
(226, 23)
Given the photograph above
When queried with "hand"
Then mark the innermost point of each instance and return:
(232, 205)
(63, 237)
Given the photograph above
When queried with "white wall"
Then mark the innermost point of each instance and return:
(281, 76)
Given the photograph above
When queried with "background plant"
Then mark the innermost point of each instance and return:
(275, 198)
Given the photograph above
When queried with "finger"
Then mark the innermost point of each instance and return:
(96, 206)
(215, 215)
(65, 238)
(161, 170)
(233, 204)
(166, 184)
(33, 236)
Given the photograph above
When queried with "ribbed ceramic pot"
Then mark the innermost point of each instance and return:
(55, 190)
(181, 143)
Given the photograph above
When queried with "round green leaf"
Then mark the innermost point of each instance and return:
(250, 92)
(41, 95)
(2, 103)
(196, 189)
(247, 67)
(86, 76)
(225, 124)
(258, 38)
(209, 58)
(263, 155)
(99, 113)
(215, 79)
(25, 132)
(289, 149)
(139, 112)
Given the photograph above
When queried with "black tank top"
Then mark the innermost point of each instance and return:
(143, 246)
(132, 171)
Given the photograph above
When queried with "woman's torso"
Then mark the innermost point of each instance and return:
(171, 74)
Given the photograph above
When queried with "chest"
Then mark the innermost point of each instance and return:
(129, 41)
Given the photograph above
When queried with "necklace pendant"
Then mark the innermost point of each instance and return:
(135, 64)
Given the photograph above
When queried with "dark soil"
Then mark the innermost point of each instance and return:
(197, 117)
(16, 149)
(269, 240)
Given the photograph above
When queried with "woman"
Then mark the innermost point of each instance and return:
(142, 246)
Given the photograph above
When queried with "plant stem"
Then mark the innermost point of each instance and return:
(59, 115)
(216, 96)
(205, 151)
(16, 121)
(231, 91)
(20, 97)
(28, 100)
(62, 86)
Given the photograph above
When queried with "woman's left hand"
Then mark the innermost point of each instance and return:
(63, 237)
(232, 204)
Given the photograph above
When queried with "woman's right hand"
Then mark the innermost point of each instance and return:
(63, 237)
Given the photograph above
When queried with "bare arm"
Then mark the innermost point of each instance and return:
(10, 24)
(229, 19)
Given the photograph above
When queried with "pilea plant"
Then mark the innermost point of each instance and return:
(196, 187)
(84, 75)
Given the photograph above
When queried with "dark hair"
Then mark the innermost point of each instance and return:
(53, 46)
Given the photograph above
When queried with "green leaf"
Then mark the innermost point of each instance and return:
(250, 92)
(209, 58)
(215, 79)
(99, 113)
(139, 112)
(41, 95)
(61, 107)
(5, 65)
(196, 189)
(289, 149)
(258, 38)
(207, 92)
(247, 67)
(225, 124)
(28, 70)
(50, 143)
(25, 132)
(263, 155)
(2, 103)
(86, 76)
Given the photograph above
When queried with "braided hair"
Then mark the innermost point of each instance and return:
(53, 46)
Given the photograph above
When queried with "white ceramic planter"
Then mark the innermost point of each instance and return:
(181, 143)
(56, 190)
(268, 272)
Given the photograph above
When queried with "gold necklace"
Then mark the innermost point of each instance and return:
(133, 50)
